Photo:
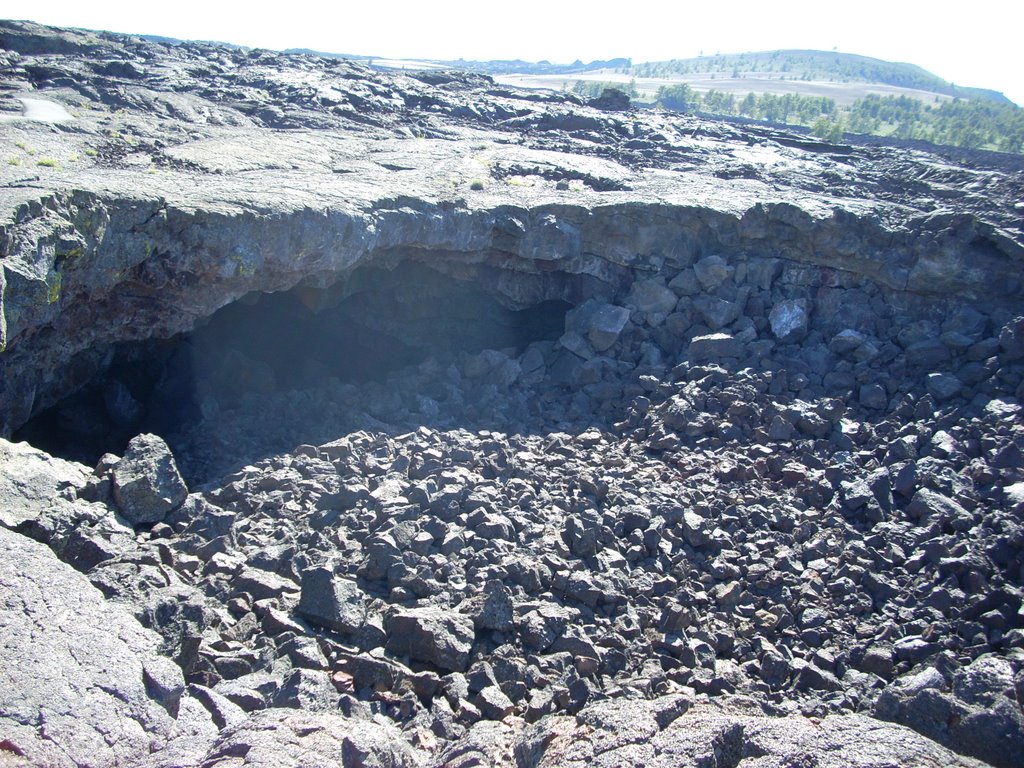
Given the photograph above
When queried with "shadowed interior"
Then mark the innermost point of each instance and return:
(384, 321)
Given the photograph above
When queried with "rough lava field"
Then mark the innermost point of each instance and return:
(408, 419)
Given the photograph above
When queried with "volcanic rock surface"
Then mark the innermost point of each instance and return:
(432, 423)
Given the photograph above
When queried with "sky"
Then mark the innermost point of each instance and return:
(973, 44)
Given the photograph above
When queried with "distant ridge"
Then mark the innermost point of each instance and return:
(799, 64)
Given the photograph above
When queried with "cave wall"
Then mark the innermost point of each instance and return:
(82, 272)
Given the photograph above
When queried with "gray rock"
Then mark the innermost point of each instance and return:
(1011, 339)
(30, 480)
(331, 601)
(307, 689)
(585, 534)
(593, 326)
(492, 609)
(84, 667)
(994, 734)
(262, 584)
(847, 342)
(714, 346)
(932, 504)
(790, 319)
(712, 271)
(493, 704)
(671, 733)
(278, 737)
(929, 353)
(943, 386)
(873, 396)
(878, 661)
(147, 484)
(984, 681)
(717, 313)
(431, 635)
(652, 297)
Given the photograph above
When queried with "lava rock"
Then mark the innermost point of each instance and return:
(431, 635)
(85, 665)
(331, 601)
(790, 319)
(714, 346)
(147, 484)
(595, 323)
(293, 737)
(31, 479)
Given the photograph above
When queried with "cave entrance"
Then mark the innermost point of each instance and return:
(359, 330)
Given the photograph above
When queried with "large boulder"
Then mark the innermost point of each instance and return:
(666, 733)
(279, 737)
(431, 635)
(593, 326)
(331, 601)
(147, 484)
(652, 297)
(714, 346)
(790, 319)
(977, 713)
(81, 682)
(30, 480)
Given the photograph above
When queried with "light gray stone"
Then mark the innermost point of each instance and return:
(147, 484)
(790, 319)
(432, 635)
(81, 682)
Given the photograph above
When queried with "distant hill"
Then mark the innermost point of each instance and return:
(815, 65)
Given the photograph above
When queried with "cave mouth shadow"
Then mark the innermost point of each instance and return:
(349, 337)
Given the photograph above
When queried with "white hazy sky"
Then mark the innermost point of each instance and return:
(969, 43)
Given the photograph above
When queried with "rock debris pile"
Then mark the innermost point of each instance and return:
(758, 502)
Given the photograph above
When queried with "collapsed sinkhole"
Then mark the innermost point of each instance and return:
(372, 323)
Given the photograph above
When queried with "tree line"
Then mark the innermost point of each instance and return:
(971, 123)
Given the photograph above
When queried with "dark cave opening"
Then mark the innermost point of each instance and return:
(370, 324)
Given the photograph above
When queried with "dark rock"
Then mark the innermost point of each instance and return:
(652, 297)
(492, 609)
(306, 689)
(1011, 339)
(585, 534)
(984, 681)
(593, 327)
(611, 100)
(714, 346)
(262, 584)
(931, 504)
(878, 661)
(493, 704)
(943, 386)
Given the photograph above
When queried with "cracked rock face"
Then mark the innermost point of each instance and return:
(432, 423)
(82, 683)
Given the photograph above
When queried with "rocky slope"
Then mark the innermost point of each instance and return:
(514, 431)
